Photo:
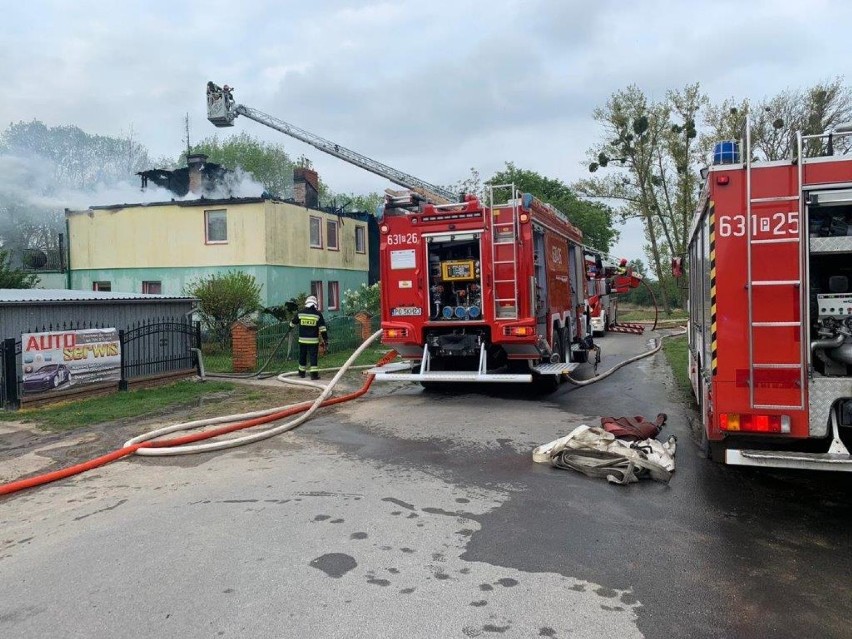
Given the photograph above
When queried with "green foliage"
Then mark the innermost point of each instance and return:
(365, 299)
(676, 350)
(775, 120)
(594, 219)
(268, 163)
(351, 202)
(224, 299)
(13, 277)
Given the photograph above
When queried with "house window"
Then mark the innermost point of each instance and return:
(333, 296)
(101, 286)
(316, 232)
(152, 288)
(316, 291)
(331, 230)
(360, 239)
(216, 226)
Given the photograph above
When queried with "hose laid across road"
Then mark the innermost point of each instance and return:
(143, 444)
(630, 360)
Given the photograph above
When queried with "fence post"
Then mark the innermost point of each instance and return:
(10, 373)
(364, 320)
(244, 346)
(122, 383)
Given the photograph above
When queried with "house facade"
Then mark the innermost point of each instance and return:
(160, 248)
(290, 247)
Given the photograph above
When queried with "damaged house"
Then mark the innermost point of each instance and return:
(289, 246)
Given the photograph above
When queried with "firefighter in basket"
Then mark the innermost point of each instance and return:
(312, 328)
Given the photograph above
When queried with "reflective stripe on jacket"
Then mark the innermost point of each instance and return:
(311, 326)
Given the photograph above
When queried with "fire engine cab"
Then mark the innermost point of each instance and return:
(482, 292)
(770, 305)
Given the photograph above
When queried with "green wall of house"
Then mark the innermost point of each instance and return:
(279, 283)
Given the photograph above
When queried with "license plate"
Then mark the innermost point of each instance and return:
(406, 310)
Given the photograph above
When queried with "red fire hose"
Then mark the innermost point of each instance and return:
(31, 482)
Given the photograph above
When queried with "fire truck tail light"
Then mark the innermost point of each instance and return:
(384, 228)
(393, 333)
(723, 179)
(755, 423)
(518, 331)
(524, 217)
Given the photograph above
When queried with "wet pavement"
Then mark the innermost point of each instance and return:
(420, 514)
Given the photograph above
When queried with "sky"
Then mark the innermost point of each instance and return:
(430, 88)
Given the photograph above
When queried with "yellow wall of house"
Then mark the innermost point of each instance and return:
(273, 233)
(164, 235)
(288, 239)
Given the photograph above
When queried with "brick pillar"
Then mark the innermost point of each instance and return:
(364, 320)
(244, 346)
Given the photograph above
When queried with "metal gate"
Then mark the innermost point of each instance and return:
(152, 348)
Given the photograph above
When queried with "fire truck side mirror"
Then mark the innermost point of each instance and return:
(677, 267)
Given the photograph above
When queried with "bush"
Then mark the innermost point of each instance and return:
(224, 299)
(365, 299)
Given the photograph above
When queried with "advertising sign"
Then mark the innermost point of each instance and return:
(61, 359)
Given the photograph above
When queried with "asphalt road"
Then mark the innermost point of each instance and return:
(416, 514)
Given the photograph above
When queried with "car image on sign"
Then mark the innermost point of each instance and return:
(46, 378)
(406, 310)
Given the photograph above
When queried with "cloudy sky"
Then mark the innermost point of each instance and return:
(430, 87)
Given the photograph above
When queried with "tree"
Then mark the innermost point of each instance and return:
(594, 219)
(267, 163)
(352, 202)
(651, 152)
(45, 169)
(775, 120)
(12, 277)
(223, 299)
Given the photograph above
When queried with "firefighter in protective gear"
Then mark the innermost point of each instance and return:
(311, 329)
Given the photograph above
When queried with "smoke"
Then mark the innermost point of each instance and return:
(31, 192)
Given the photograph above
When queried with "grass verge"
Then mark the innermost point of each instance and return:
(676, 350)
(647, 314)
(124, 405)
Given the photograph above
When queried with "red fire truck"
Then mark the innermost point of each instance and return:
(770, 306)
(482, 292)
(470, 292)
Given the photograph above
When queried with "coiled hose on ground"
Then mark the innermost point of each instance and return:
(143, 444)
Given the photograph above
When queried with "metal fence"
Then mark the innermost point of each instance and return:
(151, 347)
(278, 345)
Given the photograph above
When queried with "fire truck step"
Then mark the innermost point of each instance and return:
(787, 459)
(560, 368)
(394, 367)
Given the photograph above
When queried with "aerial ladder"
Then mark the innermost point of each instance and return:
(222, 110)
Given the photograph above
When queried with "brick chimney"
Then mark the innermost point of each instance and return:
(306, 187)
(195, 163)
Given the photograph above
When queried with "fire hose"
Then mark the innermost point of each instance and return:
(630, 360)
(143, 445)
